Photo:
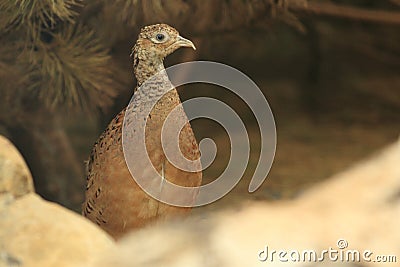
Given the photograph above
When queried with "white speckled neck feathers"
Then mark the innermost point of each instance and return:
(145, 65)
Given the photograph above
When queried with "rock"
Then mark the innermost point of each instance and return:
(15, 177)
(356, 211)
(35, 232)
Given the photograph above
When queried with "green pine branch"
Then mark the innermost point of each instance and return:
(72, 68)
(36, 15)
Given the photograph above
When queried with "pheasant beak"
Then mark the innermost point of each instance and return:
(183, 42)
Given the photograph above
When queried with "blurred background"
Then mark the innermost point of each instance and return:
(329, 69)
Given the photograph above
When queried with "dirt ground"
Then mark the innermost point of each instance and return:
(312, 148)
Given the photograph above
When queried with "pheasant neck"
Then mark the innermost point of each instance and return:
(144, 68)
(153, 83)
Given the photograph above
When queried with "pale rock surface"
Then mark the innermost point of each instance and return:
(360, 205)
(35, 232)
(15, 177)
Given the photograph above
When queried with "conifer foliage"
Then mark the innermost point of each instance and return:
(59, 60)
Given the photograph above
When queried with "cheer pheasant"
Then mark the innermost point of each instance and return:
(114, 201)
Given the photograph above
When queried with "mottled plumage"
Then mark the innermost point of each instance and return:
(113, 199)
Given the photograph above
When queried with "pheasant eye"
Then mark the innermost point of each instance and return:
(160, 37)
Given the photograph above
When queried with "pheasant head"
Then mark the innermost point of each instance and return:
(154, 43)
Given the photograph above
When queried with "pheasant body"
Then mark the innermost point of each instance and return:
(114, 201)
